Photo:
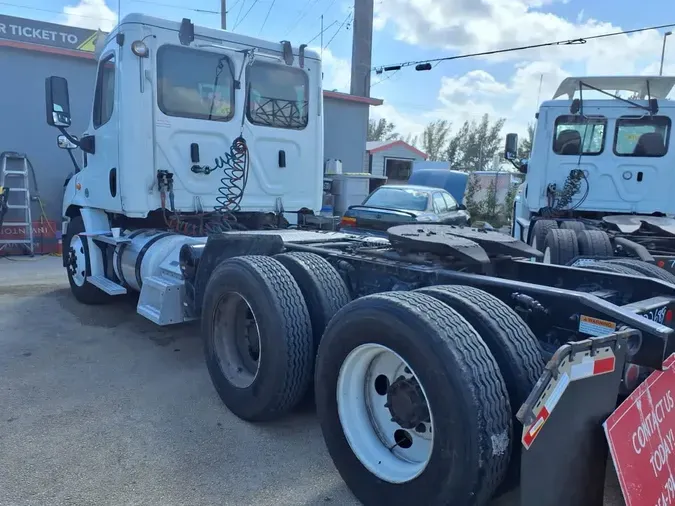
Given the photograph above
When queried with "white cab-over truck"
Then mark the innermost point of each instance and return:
(433, 354)
(599, 179)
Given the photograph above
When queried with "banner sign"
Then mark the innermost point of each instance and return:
(47, 34)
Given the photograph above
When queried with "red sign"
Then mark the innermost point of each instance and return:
(46, 236)
(641, 436)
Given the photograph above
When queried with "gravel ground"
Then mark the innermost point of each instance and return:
(99, 406)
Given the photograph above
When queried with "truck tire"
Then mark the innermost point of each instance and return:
(540, 231)
(645, 268)
(323, 289)
(560, 247)
(575, 226)
(425, 353)
(512, 343)
(605, 266)
(78, 264)
(594, 243)
(257, 337)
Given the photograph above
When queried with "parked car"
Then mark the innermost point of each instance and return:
(392, 205)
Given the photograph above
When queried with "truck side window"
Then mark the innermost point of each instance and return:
(642, 136)
(104, 95)
(277, 95)
(571, 132)
(193, 83)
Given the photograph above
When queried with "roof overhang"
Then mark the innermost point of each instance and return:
(352, 98)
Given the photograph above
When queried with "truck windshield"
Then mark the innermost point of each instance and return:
(642, 136)
(571, 132)
(193, 83)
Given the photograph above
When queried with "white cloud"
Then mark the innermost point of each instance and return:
(336, 71)
(93, 14)
(481, 25)
(405, 123)
(466, 26)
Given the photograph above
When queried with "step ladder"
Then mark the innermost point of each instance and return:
(14, 180)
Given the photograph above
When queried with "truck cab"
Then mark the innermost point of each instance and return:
(220, 121)
(601, 147)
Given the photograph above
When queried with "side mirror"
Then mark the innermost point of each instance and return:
(461, 207)
(511, 148)
(57, 101)
(64, 143)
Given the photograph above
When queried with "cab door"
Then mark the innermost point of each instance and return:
(99, 178)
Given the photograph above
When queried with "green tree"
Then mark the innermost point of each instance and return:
(525, 146)
(411, 139)
(381, 130)
(435, 139)
(474, 145)
(508, 202)
(474, 207)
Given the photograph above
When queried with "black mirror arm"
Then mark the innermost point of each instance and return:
(69, 137)
(72, 159)
(515, 164)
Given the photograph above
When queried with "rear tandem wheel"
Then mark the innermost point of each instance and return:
(257, 337)
(395, 373)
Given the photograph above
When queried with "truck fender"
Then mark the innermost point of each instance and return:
(221, 247)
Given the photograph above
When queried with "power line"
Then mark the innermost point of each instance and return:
(580, 40)
(266, 16)
(339, 28)
(385, 78)
(327, 8)
(245, 15)
(232, 6)
(205, 11)
(241, 8)
(303, 13)
(322, 31)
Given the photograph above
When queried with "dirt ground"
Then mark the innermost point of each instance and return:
(99, 406)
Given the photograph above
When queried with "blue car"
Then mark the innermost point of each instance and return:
(392, 205)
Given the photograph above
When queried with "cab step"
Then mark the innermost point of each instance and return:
(104, 284)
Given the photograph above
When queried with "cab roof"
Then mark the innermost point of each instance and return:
(644, 86)
(216, 35)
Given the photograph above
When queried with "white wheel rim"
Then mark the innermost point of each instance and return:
(547, 256)
(237, 340)
(368, 424)
(78, 274)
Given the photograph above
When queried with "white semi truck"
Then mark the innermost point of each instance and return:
(433, 354)
(598, 186)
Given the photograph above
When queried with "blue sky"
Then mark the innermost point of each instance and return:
(507, 86)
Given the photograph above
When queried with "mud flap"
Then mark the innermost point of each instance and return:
(564, 450)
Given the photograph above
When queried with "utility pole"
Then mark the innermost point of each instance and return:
(223, 14)
(322, 36)
(362, 47)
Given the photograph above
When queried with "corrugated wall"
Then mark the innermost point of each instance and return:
(24, 128)
(344, 131)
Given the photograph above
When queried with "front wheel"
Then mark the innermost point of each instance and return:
(412, 405)
(78, 266)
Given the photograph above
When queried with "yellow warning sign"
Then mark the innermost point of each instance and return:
(89, 44)
(595, 326)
